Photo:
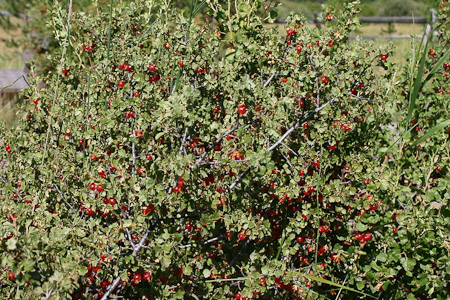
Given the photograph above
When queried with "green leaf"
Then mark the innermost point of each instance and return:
(361, 227)
(11, 244)
(206, 273)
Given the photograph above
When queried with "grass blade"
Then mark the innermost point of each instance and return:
(417, 85)
(432, 131)
(403, 135)
(229, 279)
(325, 281)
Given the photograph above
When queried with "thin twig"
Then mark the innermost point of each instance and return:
(62, 197)
(269, 80)
(298, 124)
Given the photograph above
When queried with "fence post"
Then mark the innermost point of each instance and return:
(433, 17)
(316, 20)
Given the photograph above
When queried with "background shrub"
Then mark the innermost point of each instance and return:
(173, 159)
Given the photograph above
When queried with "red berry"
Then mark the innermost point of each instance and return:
(359, 236)
(11, 276)
(148, 157)
(7, 147)
(112, 201)
(373, 207)
(166, 46)
(147, 276)
(394, 230)
(155, 77)
(90, 211)
(384, 57)
(335, 257)
(181, 63)
(35, 101)
(432, 52)
(262, 281)
(152, 68)
(242, 109)
(105, 284)
(100, 188)
(137, 277)
(238, 296)
(188, 226)
(137, 94)
(367, 236)
(121, 84)
(92, 186)
(300, 239)
(366, 181)
(122, 66)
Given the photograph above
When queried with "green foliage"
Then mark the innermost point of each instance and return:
(402, 8)
(170, 158)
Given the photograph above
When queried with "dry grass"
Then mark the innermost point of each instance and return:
(8, 109)
(10, 58)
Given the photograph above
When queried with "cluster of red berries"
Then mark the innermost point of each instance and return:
(363, 238)
(179, 185)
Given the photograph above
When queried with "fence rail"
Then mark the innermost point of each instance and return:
(4, 13)
(378, 20)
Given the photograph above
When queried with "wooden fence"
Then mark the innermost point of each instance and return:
(383, 20)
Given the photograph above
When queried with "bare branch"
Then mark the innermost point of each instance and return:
(298, 124)
(205, 243)
(269, 80)
(130, 239)
(63, 198)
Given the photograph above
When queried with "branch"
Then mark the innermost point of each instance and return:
(317, 80)
(205, 243)
(239, 253)
(127, 231)
(268, 81)
(4, 181)
(49, 294)
(236, 181)
(134, 155)
(293, 152)
(298, 124)
(136, 250)
(86, 258)
(62, 197)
